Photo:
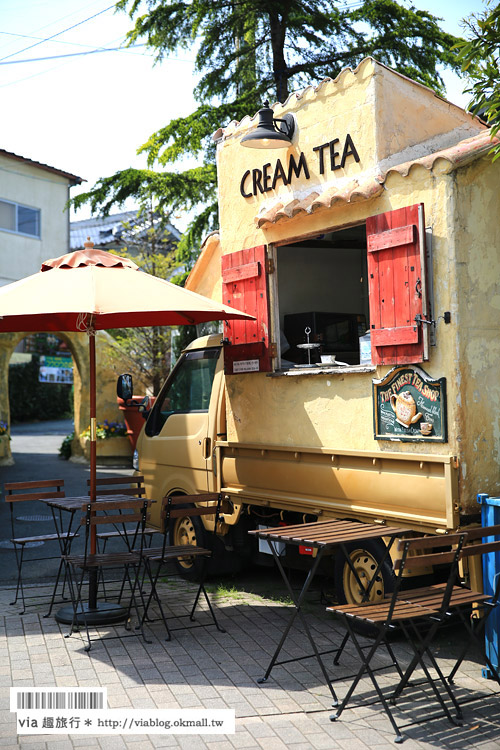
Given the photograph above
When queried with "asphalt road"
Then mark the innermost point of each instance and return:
(35, 450)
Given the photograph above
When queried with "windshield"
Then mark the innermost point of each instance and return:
(188, 388)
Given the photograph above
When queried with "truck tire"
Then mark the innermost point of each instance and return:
(365, 557)
(188, 530)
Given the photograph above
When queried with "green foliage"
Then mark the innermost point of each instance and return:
(65, 448)
(185, 335)
(248, 51)
(31, 400)
(479, 55)
(150, 244)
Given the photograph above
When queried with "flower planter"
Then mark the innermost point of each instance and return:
(134, 419)
(115, 451)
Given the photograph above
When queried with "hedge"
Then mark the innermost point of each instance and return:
(31, 400)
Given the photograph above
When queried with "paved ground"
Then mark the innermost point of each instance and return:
(207, 669)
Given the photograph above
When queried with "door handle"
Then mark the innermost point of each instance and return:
(207, 447)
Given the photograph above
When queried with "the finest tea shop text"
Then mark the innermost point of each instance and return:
(406, 379)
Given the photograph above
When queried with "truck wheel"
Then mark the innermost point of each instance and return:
(186, 530)
(365, 557)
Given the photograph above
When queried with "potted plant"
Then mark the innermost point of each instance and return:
(113, 445)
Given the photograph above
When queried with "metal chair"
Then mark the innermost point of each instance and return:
(464, 601)
(408, 615)
(182, 506)
(21, 492)
(123, 485)
(117, 513)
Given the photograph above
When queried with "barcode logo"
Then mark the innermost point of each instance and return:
(51, 699)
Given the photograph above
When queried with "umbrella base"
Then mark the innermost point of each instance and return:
(105, 613)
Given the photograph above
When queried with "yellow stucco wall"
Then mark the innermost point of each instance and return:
(477, 405)
(389, 118)
(336, 410)
(392, 121)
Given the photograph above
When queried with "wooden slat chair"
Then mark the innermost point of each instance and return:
(124, 485)
(462, 601)
(133, 486)
(21, 492)
(119, 513)
(397, 612)
(206, 504)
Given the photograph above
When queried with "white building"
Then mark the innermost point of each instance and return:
(34, 220)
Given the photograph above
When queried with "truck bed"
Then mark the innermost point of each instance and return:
(419, 490)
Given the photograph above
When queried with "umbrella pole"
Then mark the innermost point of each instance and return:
(93, 465)
(94, 612)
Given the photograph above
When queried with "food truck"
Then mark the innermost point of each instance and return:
(367, 248)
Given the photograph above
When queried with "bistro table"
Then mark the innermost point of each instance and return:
(323, 537)
(97, 613)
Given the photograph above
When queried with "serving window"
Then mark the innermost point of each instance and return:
(322, 293)
(326, 292)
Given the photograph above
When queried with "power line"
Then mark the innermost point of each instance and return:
(74, 54)
(41, 39)
(48, 39)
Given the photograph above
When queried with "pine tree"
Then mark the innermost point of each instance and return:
(480, 58)
(249, 51)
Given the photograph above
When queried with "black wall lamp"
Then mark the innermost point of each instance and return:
(268, 133)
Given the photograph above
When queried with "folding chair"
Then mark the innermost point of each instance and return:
(124, 485)
(20, 492)
(133, 486)
(463, 601)
(385, 616)
(118, 513)
(192, 505)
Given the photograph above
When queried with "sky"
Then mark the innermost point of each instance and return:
(67, 103)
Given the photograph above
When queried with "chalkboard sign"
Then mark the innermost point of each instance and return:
(409, 405)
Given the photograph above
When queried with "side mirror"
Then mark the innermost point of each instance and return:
(125, 387)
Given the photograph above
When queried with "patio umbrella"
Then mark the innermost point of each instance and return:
(92, 290)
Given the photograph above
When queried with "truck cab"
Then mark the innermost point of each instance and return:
(176, 445)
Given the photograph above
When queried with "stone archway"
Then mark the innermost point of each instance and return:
(77, 343)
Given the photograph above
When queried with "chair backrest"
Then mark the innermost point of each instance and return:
(42, 489)
(119, 486)
(117, 513)
(427, 552)
(19, 492)
(481, 540)
(182, 506)
(474, 544)
(204, 504)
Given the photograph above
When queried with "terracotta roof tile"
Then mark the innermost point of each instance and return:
(457, 156)
(367, 187)
(353, 192)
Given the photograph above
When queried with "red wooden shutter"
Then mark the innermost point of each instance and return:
(244, 286)
(396, 285)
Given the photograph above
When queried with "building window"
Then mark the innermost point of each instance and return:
(20, 219)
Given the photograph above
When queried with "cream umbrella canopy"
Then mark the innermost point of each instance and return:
(92, 290)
